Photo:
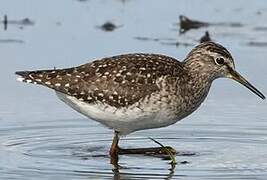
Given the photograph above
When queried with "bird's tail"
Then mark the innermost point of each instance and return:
(35, 77)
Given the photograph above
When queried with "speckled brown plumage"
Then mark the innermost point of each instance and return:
(118, 80)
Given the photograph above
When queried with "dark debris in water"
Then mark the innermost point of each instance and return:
(186, 153)
(124, 1)
(5, 22)
(21, 22)
(59, 23)
(143, 38)
(261, 28)
(11, 41)
(89, 152)
(177, 44)
(259, 13)
(164, 41)
(82, 0)
(146, 39)
(186, 24)
(257, 44)
(109, 26)
(184, 162)
(205, 38)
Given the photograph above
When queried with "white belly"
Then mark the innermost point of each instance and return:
(123, 120)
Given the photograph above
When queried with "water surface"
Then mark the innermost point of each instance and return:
(41, 138)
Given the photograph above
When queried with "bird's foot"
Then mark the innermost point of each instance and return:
(152, 151)
(165, 152)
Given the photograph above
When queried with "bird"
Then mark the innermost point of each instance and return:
(139, 91)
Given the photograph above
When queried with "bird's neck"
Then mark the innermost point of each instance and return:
(197, 87)
(199, 79)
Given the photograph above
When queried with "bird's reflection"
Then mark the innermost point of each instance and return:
(119, 174)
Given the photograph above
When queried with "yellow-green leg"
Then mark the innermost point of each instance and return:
(114, 150)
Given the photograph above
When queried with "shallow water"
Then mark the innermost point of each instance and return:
(41, 138)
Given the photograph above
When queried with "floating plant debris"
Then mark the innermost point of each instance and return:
(257, 44)
(261, 28)
(143, 38)
(205, 38)
(109, 26)
(146, 38)
(186, 24)
(11, 41)
(177, 44)
(22, 22)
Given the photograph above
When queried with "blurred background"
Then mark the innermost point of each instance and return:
(41, 138)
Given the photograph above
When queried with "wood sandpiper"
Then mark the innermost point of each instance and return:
(134, 92)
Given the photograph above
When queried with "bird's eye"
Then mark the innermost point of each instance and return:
(219, 61)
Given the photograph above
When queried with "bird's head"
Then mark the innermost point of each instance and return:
(213, 61)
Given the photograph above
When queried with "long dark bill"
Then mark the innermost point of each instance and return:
(237, 77)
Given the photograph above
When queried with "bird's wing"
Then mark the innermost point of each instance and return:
(118, 80)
